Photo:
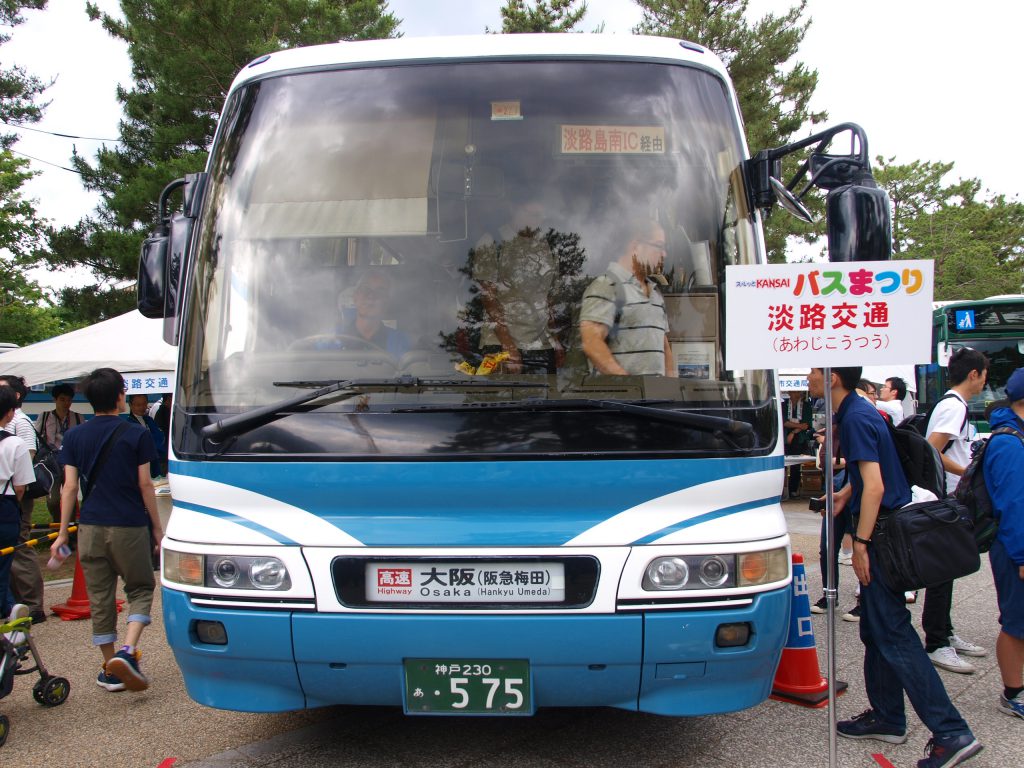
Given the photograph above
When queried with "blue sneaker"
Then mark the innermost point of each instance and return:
(1012, 707)
(867, 725)
(944, 752)
(111, 683)
(125, 666)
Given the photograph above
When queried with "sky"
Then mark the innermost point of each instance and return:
(930, 80)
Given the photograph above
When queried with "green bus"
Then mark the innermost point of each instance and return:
(994, 326)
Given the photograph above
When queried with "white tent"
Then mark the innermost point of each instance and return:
(128, 343)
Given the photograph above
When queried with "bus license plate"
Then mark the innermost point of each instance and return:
(468, 687)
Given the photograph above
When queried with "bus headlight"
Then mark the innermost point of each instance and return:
(667, 573)
(763, 567)
(183, 567)
(268, 573)
(226, 571)
(713, 571)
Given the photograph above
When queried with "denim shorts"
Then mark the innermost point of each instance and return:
(1009, 590)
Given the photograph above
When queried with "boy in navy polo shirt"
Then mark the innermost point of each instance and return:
(894, 659)
(114, 538)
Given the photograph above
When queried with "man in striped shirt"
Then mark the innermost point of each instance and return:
(623, 325)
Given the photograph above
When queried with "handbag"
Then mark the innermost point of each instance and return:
(925, 544)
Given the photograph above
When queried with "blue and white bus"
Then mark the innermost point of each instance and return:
(386, 522)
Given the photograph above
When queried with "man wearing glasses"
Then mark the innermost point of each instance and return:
(890, 398)
(623, 325)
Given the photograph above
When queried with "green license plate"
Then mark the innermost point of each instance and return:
(468, 687)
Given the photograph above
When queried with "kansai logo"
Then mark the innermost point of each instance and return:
(764, 282)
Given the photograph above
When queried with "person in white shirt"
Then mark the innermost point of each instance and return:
(15, 473)
(26, 576)
(890, 398)
(949, 430)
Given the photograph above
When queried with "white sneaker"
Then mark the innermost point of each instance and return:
(946, 658)
(846, 558)
(966, 647)
(19, 611)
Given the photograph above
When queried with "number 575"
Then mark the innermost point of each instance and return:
(494, 684)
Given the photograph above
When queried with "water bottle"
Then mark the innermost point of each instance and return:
(63, 551)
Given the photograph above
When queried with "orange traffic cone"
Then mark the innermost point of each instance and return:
(77, 606)
(798, 679)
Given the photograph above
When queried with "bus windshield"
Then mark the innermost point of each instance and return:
(431, 236)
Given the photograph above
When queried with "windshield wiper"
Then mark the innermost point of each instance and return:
(257, 417)
(701, 421)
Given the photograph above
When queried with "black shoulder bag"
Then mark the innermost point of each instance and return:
(925, 544)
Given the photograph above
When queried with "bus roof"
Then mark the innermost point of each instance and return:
(482, 47)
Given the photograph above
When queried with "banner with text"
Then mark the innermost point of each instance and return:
(841, 314)
(148, 382)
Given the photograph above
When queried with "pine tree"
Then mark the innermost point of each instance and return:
(545, 16)
(25, 316)
(976, 240)
(184, 57)
(774, 91)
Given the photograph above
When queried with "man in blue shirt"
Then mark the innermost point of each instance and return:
(1004, 481)
(894, 659)
(114, 538)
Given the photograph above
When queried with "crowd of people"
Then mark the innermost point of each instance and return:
(109, 462)
(870, 483)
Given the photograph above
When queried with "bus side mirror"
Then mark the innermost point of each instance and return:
(152, 270)
(859, 223)
(164, 256)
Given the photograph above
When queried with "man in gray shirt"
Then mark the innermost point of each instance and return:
(623, 325)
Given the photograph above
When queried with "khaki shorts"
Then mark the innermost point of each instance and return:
(106, 552)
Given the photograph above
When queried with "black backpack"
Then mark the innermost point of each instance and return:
(919, 421)
(972, 493)
(921, 463)
(45, 467)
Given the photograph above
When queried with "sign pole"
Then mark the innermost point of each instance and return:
(831, 591)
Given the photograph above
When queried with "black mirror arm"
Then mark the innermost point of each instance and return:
(768, 162)
(163, 217)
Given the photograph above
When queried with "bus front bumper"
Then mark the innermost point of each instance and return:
(663, 662)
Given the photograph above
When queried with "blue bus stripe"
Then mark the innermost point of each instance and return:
(220, 514)
(706, 517)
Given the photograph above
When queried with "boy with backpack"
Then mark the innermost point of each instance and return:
(894, 660)
(949, 430)
(1004, 481)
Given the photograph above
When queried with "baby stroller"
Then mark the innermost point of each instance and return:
(16, 645)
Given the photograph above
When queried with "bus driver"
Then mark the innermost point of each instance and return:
(623, 325)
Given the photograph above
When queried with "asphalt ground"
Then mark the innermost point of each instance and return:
(163, 727)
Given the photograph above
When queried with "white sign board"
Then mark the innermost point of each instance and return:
(148, 382)
(817, 315)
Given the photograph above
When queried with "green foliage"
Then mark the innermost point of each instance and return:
(18, 89)
(545, 16)
(25, 316)
(184, 56)
(975, 239)
(774, 91)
